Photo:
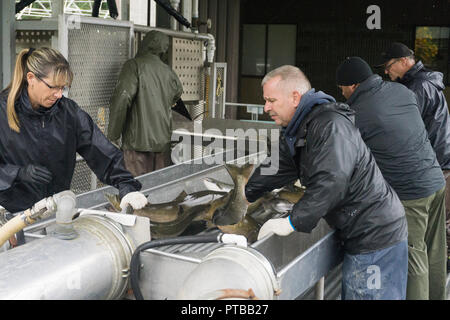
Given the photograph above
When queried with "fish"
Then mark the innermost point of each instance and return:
(293, 194)
(161, 230)
(212, 206)
(248, 227)
(236, 207)
(160, 212)
(216, 185)
(170, 219)
(189, 211)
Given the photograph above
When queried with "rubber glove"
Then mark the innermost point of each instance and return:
(280, 226)
(135, 199)
(34, 174)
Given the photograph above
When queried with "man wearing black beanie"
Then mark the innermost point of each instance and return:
(389, 121)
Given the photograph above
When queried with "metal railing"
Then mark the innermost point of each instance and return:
(254, 109)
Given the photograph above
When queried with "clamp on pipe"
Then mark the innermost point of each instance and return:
(229, 238)
(40, 210)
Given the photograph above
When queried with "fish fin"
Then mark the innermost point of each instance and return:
(210, 185)
(235, 170)
(216, 185)
(113, 199)
(181, 196)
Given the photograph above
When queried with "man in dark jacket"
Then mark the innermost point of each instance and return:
(141, 107)
(321, 146)
(390, 124)
(400, 65)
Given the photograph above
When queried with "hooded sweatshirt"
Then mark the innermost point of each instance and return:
(310, 99)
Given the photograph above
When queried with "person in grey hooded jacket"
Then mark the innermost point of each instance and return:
(390, 124)
(141, 107)
(401, 66)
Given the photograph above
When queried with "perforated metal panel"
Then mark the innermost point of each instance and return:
(187, 62)
(96, 54)
(33, 38)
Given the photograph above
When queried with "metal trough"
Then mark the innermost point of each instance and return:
(289, 266)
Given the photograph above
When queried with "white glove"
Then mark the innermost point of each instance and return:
(135, 199)
(281, 227)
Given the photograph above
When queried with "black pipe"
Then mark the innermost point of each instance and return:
(170, 10)
(23, 4)
(135, 258)
(96, 8)
(112, 7)
(113, 13)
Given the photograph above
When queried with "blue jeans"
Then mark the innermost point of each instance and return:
(378, 275)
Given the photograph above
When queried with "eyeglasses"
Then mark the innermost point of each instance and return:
(64, 89)
(391, 64)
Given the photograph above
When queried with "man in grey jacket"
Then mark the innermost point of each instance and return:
(389, 121)
(399, 63)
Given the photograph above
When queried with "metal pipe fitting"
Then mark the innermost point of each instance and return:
(173, 22)
(65, 210)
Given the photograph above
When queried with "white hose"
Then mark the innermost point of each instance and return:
(13, 226)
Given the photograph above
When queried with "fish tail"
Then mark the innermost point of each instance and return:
(244, 170)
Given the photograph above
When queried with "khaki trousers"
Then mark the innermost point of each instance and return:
(139, 163)
(427, 253)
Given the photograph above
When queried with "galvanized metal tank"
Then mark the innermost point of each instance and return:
(231, 272)
(94, 265)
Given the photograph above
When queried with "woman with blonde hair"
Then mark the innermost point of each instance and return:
(41, 131)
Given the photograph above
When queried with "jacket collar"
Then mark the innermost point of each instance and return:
(24, 105)
(412, 73)
(310, 99)
(367, 85)
(337, 107)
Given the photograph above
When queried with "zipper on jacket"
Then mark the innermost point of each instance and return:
(43, 123)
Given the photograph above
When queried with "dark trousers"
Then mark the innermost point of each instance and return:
(139, 163)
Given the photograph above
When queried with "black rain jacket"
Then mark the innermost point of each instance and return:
(343, 183)
(428, 87)
(51, 138)
(391, 126)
